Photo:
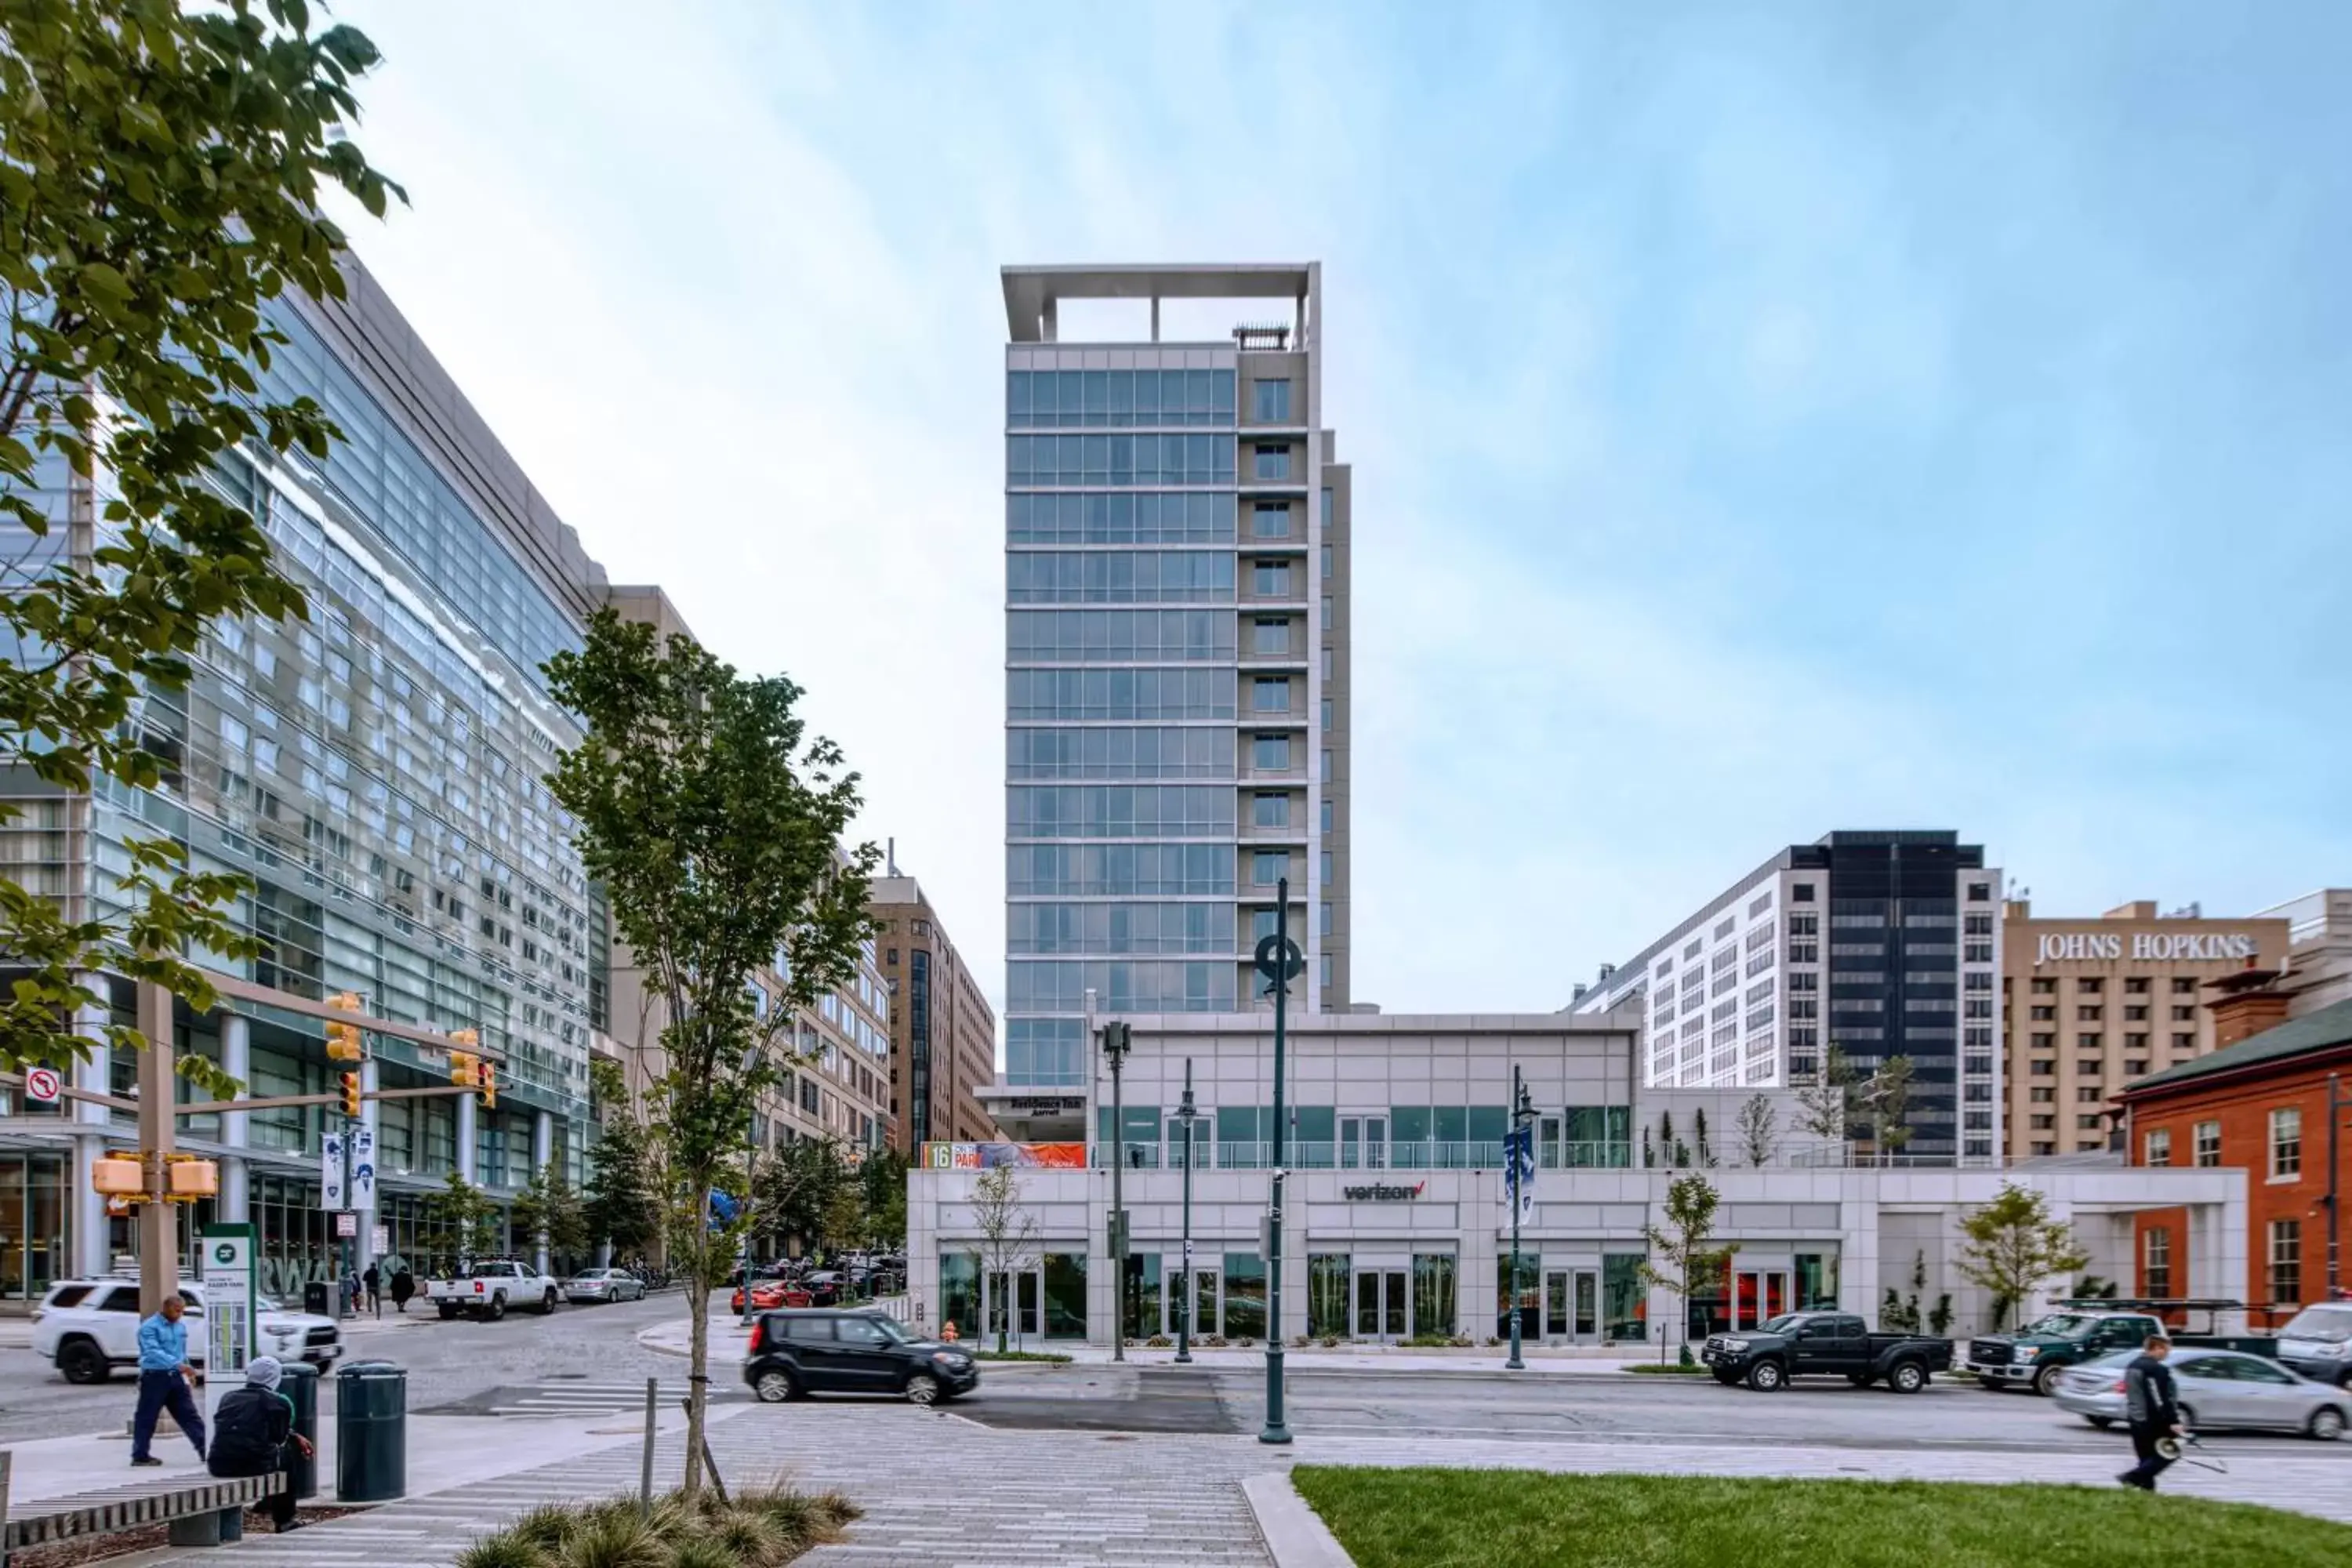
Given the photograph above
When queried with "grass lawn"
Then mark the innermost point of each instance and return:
(1437, 1517)
(1666, 1369)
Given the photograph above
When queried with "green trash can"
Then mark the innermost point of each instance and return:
(298, 1382)
(370, 1432)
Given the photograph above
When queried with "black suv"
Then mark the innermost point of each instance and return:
(814, 1351)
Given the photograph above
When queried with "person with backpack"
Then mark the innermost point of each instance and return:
(251, 1433)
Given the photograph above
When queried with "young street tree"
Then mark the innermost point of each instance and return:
(795, 1193)
(883, 1183)
(714, 822)
(1685, 1242)
(472, 1220)
(2014, 1245)
(162, 168)
(618, 1208)
(1824, 1104)
(1760, 1130)
(1886, 1096)
(1008, 1235)
(549, 1213)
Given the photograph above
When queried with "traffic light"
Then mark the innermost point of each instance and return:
(351, 1097)
(343, 1044)
(488, 1077)
(464, 1070)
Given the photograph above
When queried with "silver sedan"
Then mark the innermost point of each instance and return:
(2218, 1389)
(605, 1285)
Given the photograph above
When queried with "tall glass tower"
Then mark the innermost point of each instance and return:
(1176, 654)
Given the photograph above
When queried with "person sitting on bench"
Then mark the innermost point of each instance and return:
(250, 1432)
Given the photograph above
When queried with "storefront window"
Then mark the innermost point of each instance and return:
(1623, 1305)
(1531, 1295)
(1326, 1293)
(32, 1225)
(1817, 1281)
(1066, 1295)
(1143, 1295)
(1709, 1303)
(960, 1290)
(1244, 1296)
(1433, 1293)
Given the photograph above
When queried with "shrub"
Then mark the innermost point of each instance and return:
(504, 1549)
(1159, 1341)
(765, 1527)
(1330, 1341)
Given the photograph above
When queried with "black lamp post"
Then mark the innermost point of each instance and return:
(1186, 1113)
(1523, 1116)
(1279, 960)
(1117, 1039)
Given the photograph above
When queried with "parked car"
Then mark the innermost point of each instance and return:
(769, 1295)
(2034, 1355)
(87, 1329)
(605, 1285)
(1835, 1344)
(2317, 1343)
(826, 1287)
(822, 1350)
(2218, 1389)
(491, 1288)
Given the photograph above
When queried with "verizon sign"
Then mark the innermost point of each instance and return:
(2148, 946)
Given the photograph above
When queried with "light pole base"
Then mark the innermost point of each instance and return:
(1182, 1358)
(1276, 1430)
(1275, 1435)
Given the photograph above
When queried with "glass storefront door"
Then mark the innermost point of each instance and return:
(1571, 1305)
(1326, 1294)
(1761, 1295)
(1202, 1293)
(32, 1225)
(1381, 1304)
(1015, 1306)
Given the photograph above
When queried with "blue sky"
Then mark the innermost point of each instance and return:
(1764, 419)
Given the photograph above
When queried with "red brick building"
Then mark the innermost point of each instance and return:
(2261, 1101)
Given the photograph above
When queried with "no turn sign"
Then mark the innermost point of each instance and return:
(41, 1085)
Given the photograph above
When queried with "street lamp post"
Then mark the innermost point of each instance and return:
(1186, 1113)
(1116, 1040)
(1279, 960)
(1523, 1116)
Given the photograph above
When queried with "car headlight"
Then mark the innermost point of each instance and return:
(2026, 1352)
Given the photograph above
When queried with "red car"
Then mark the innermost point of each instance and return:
(767, 1295)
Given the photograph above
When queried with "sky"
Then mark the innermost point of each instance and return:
(1764, 419)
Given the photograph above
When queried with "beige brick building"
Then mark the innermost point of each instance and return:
(2089, 1006)
(942, 1030)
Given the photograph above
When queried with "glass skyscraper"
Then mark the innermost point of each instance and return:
(1176, 652)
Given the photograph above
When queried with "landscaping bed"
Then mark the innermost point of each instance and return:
(762, 1528)
(1441, 1517)
(122, 1544)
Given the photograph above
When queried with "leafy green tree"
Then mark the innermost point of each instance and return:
(883, 1177)
(714, 822)
(1826, 1104)
(472, 1218)
(620, 1207)
(550, 1210)
(2014, 1246)
(1886, 1097)
(161, 169)
(1683, 1256)
(796, 1191)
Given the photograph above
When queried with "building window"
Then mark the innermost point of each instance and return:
(2088, 1094)
(1270, 402)
(1323, 923)
(1271, 579)
(1271, 520)
(1327, 612)
(2045, 1042)
(1979, 891)
(1327, 814)
(1271, 694)
(2090, 985)
(2155, 1267)
(2090, 1042)
(2043, 985)
(2157, 1145)
(2184, 986)
(1271, 811)
(1327, 713)
(1327, 557)
(1263, 925)
(1273, 637)
(2085, 1014)
(1270, 753)
(1323, 971)
(2286, 1143)
(1801, 893)
(2184, 1015)
(2045, 1015)
(1270, 463)
(2045, 1070)
(1268, 867)
(1326, 774)
(2286, 1263)
(2184, 1042)
(2206, 1137)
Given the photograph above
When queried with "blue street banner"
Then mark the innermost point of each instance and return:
(1519, 1172)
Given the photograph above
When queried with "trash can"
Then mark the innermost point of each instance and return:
(318, 1298)
(300, 1385)
(370, 1432)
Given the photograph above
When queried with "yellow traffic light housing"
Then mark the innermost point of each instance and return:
(463, 1069)
(488, 1079)
(351, 1096)
(343, 1040)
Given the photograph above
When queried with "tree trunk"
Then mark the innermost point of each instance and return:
(698, 1362)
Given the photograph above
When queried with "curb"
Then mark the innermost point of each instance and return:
(1294, 1534)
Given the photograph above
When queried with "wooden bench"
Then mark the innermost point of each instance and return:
(202, 1511)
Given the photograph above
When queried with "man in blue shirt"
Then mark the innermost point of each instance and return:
(165, 1382)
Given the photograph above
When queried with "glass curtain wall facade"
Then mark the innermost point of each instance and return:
(1175, 656)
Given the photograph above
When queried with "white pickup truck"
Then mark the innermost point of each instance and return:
(492, 1288)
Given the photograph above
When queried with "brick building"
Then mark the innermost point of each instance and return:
(942, 1030)
(2261, 1101)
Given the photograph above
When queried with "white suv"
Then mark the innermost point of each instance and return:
(89, 1328)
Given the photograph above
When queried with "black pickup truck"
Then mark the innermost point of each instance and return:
(1831, 1344)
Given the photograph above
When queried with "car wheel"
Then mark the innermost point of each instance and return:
(2326, 1424)
(775, 1387)
(2045, 1380)
(1765, 1377)
(922, 1388)
(2101, 1422)
(81, 1361)
(1907, 1377)
(547, 1303)
(497, 1308)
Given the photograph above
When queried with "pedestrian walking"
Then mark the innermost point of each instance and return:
(2152, 1407)
(254, 1426)
(166, 1381)
(371, 1287)
(404, 1286)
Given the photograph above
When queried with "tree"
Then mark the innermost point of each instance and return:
(882, 1180)
(1008, 1236)
(472, 1219)
(1760, 1130)
(714, 822)
(1699, 1136)
(2013, 1245)
(620, 1209)
(1824, 1105)
(1887, 1097)
(549, 1212)
(1685, 1243)
(796, 1191)
(161, 169)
